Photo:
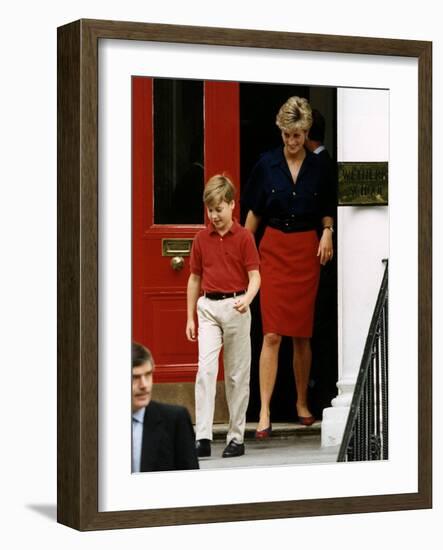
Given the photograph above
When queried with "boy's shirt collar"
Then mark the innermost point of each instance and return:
(233, 229)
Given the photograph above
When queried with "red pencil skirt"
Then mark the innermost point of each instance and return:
(290, 272)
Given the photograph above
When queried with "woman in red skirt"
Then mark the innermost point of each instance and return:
(288, 192)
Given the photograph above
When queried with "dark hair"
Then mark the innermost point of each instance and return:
(140, 355)
(317, 130)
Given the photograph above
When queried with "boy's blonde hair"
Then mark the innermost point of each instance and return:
(218, 189)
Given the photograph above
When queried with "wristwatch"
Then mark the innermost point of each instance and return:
(330, 227)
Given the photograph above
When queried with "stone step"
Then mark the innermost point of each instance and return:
(280, 430)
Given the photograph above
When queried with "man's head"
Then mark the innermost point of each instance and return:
(142, 369)
(316, 135)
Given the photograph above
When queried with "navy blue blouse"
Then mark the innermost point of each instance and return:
(272, 194)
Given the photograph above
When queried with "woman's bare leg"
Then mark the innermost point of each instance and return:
(268, 374)
(302, 359)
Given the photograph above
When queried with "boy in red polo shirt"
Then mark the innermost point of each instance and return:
(225, 266)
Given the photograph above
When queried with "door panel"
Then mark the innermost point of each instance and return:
(178, 135)
(175, 355)
(222, 132)
(159, 291)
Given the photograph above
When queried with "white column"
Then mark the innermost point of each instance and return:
(363, 238)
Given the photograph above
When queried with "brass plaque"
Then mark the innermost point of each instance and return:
(176, 247)
(362, 183)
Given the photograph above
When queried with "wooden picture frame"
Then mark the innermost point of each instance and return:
(78, 468)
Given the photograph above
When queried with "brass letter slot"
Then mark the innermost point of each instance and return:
(176, 247)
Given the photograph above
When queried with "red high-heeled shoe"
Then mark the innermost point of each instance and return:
(306, 420)
(263, 434)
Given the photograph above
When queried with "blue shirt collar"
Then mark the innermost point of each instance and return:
(139, 415)
(278, 157)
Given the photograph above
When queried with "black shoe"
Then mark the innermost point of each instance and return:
(203, 447)
(234, 449)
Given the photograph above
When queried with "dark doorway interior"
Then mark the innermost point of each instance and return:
(259, 104)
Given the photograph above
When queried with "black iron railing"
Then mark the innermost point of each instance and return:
(366, 432)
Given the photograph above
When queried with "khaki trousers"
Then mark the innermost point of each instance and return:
(220, 324)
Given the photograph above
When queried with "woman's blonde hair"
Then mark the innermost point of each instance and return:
(295, 114)
(218, 189)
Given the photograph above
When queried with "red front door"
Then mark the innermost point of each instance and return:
(170, 163)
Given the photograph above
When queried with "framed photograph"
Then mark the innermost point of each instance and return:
(125, 228)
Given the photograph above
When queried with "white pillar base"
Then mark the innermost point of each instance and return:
(333, 425)
(335, 417)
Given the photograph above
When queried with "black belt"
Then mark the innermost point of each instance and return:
(292, 225)
(223, 295)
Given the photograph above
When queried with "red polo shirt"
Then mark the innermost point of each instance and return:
(223, 262)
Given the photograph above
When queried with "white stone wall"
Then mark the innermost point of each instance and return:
(363, 241)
